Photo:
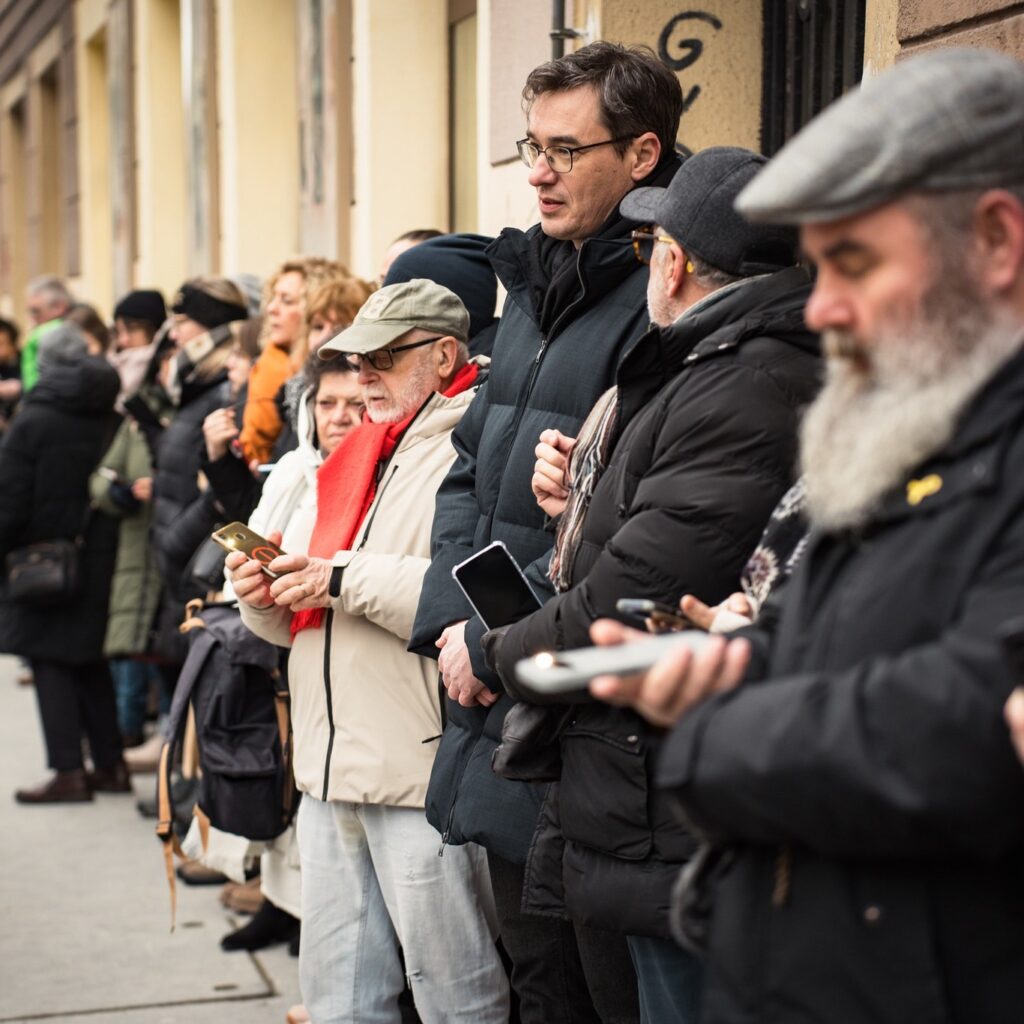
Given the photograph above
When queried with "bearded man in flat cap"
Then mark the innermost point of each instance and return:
(849, 750)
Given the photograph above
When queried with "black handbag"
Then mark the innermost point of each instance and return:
(46, 573)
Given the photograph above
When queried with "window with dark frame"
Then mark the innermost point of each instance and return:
(813, 53)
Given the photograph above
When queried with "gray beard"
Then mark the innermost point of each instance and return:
(885, 411)
(404, 401)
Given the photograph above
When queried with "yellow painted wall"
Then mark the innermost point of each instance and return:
(160, 162)
(258, 146)
(880, 42)
(721, 41)
(400, 123)
(96, 279)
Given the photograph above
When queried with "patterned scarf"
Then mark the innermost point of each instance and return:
(586, 464)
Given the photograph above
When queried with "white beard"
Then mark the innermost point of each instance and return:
(886, 409)
(401, 402)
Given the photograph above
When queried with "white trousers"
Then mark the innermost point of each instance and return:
(371, 880)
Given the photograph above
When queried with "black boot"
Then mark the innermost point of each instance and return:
(269, 925)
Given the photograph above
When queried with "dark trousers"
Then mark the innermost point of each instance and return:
(76, 700)
(561, 972)
(670, 980)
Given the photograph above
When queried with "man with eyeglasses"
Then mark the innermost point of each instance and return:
(600, 122)
(365, 712)
(667, 490)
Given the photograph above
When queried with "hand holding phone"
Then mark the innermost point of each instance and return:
(563, 671)
(660, 618)
(238, 537)
(495, 586)
(683, 676)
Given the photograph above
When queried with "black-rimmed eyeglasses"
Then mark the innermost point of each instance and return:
(384, 358)
(559, 158)
(644, 243)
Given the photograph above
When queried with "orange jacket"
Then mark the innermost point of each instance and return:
(261, 422)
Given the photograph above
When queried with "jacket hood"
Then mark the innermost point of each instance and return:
(87, 385)
(305, 431)
(771, 305)
(768, 306)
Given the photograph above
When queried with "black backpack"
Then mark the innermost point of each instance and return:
(243, 732)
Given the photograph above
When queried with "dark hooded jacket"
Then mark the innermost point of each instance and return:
(65, 425)
(705, 445)
(184, 514)
(863, 773)
(569, 318)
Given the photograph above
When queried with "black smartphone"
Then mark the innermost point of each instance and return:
(663, 616)
(495, 586)
(238, 537)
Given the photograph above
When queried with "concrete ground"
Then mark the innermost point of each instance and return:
(85, 914)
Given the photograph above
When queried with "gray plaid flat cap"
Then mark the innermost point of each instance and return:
(949, 119)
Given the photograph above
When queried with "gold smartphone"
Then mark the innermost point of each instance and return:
(238, 537)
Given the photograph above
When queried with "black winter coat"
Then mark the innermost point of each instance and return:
(65, 425)
(184, 516)
(538, 380)
(695, 471)
(868, 782)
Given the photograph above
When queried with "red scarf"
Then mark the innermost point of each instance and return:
(346, 485)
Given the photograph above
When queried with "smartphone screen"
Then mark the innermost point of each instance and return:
(238, 537)
(496, 587)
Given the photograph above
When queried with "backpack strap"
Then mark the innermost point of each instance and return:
(199, 650)
(282, 706)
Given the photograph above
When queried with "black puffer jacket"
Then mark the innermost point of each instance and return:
(183, 515)
(53, 444)
(867, 781)
(541, 377)
(695, 471)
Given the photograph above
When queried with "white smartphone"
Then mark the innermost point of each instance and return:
(495, 586)
(563, 671)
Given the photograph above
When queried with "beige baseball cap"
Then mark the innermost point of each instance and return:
(393, 311)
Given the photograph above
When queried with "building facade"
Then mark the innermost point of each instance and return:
(144, 141)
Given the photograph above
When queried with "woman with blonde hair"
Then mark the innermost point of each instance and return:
(284, 346)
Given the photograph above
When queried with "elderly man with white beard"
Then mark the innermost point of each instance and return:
(849, 751)
(365, 712)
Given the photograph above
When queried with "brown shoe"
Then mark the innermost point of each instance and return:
(110, 780)
(64, 788)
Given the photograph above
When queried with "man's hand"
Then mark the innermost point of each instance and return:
(677, 682)
(457, 670)
(720, 618)
(219, 430)
(302, 582)
(10, 389)
(142, 489)
(250, 583)
(550, 484)
(1014, 712)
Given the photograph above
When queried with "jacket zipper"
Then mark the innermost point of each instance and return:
(328, 623)
(520, 411)
(535, 369)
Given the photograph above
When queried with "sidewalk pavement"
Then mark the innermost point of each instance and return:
(85, 914)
